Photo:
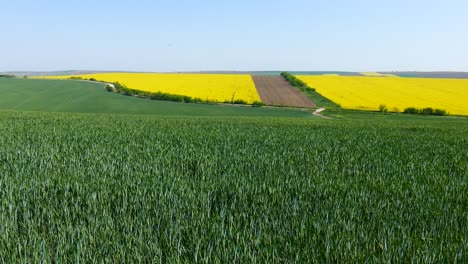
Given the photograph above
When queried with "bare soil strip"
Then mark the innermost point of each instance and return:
(274, 90)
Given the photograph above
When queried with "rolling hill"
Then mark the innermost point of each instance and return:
(90, 97)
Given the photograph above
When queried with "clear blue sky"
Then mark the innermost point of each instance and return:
(360, 35)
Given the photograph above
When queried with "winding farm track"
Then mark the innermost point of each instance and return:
(318, 113)
(274, 90)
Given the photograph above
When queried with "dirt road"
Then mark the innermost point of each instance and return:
(318, 113)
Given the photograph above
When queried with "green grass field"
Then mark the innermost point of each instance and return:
(88, 97)
(199, 183)
(78, 187)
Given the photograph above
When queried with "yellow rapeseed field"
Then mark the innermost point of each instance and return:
(210, 87)
(394, 92)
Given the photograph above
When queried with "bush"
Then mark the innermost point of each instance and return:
(127, 92)
(9, 76)
(294, 81)
(425, 111)
(170, 97)
(411, 110)
(92, 79)
(239, 101)
(439, 112)
(383, 108)
(108, 88)
(257, 104)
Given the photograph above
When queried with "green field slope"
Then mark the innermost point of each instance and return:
(88, 97)
(125, 189)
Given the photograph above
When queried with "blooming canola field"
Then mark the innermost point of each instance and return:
(368, 93)
(209, 87)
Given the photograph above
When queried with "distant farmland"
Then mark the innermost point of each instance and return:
(450, 75)
(351, 90)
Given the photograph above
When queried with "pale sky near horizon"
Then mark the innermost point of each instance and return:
(361, 35)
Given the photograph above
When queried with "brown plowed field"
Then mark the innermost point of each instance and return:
(274, 90)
